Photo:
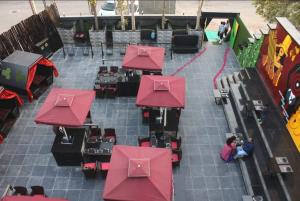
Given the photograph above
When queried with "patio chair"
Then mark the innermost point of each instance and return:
(99, 90)
(37, 190)
(114, 69)
(89, 169)
(146, 115)
(104, 167)
(103, 69)
(176, 157)
(176, 143)
(95, 131)
(110, 133)
(144, 142)
(110, 91)
(20, 190)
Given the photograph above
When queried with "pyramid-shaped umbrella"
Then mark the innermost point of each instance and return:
(66, 107)
(139, 173)
(139, 57)
(161, 91)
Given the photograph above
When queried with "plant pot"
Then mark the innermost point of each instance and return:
(67, 34)
(126, 36)
(97, 37)
(198, 33)
(164, 35)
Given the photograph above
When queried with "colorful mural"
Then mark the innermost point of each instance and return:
(248, 56)
(279, 63)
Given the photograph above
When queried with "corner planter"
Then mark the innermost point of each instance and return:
(126, 36)
(97, 37)
(197, 33)
(67, 34)
(164, 35)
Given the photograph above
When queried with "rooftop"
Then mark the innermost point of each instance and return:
(27, 160)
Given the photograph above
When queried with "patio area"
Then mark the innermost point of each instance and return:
(26, 158)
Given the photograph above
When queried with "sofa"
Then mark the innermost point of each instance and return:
(185, 43)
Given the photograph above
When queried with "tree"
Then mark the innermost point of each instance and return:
(132, 15)
(121, 6)
(163, 19)
(199, 13)
(270, 9)
(93, 4)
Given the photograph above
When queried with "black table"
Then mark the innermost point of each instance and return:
(101, 153)
(69, 154)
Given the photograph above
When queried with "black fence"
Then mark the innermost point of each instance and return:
(30, 32)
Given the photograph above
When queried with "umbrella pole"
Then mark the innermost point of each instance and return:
(65, 138)
(165, 118)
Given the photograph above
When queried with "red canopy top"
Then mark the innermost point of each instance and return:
(139, 173)
(139, 57)
(65, 107)
(161, 91)
(30, 198)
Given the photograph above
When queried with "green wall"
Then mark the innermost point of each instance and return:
(242, 35)
(249, 55)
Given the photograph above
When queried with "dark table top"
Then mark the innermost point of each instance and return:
(110, 78)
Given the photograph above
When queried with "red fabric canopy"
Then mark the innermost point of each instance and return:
(66, 107)
(161, 91)
(139, 57)
(7, 94)
(30, 198)
(31, 73)
(139, 174)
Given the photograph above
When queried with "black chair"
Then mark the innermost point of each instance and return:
(144, 141)
(110, 133)
(176, 143)
(37, 190)
(103, 69)
(20, 190)
(176, 157)
(89, 169)
(114, 69)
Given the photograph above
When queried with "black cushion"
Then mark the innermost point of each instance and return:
(185, 40)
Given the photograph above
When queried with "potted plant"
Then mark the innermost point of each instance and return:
(165, 32)
(121, 32)
(198, 30)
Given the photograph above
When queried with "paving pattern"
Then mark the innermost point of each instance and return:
(25, 158)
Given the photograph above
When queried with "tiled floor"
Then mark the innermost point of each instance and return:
(25, 157)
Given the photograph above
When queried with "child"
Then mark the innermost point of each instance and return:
(229, 149)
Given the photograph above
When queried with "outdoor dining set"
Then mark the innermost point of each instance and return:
(80, 142)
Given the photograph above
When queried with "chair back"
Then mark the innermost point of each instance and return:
(103, 69)
(20, 190)
(108, 132)
(37, 190)
(114, 69)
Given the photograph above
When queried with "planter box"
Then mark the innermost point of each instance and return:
(67, 34)
(97, 37)
(197, 33)
(126, 36)
(164, 35)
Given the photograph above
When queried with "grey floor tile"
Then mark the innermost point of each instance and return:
(202, 126)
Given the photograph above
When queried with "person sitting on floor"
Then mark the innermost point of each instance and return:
(245, 150)
(229, 149)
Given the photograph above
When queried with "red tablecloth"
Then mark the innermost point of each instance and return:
(31, 198)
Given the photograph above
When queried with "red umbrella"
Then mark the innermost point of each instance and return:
(161, 91)
(139, 173)
(30, 198)
(139, 57)
(65, 107)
